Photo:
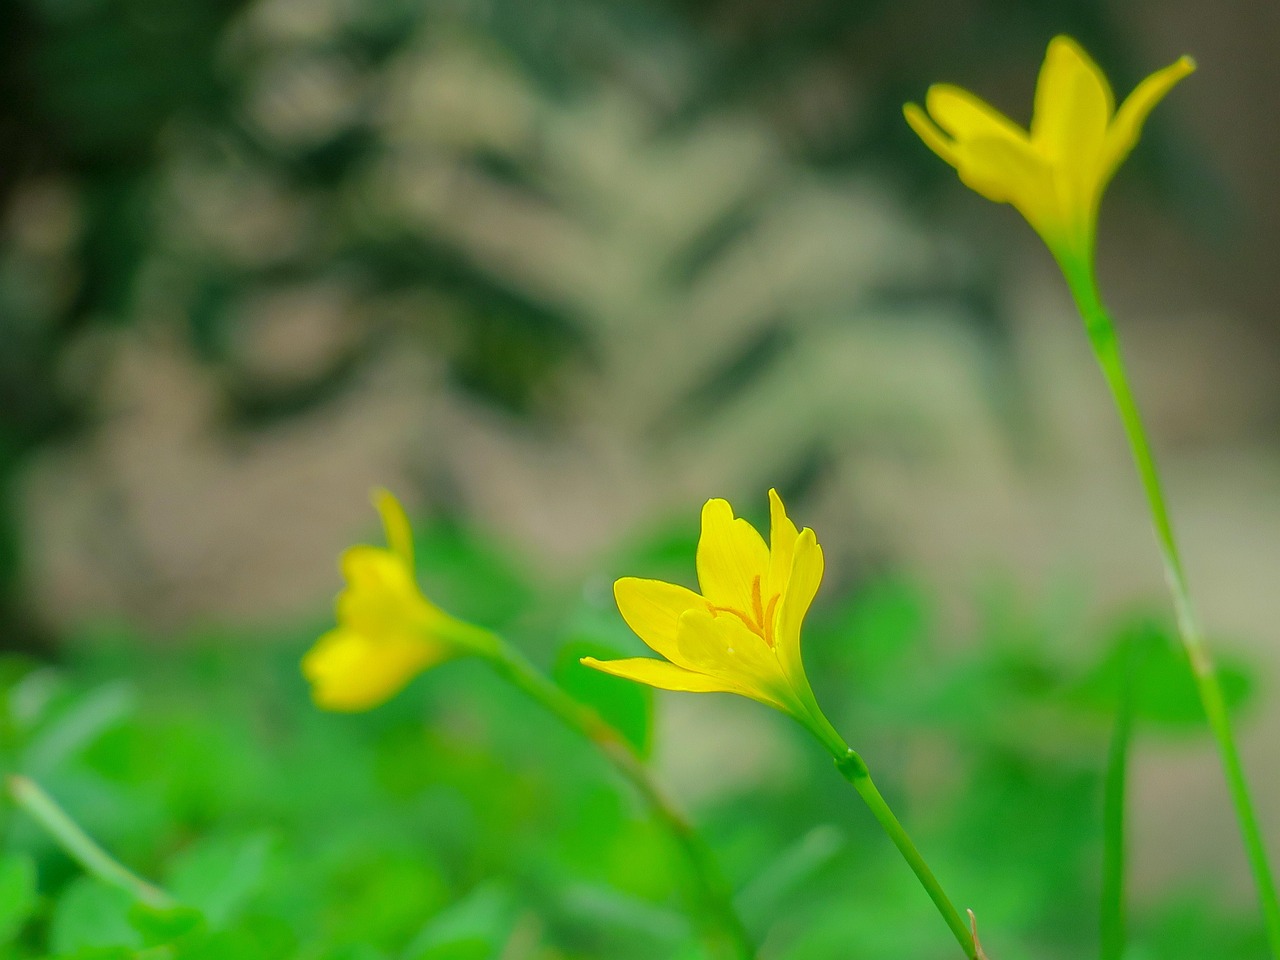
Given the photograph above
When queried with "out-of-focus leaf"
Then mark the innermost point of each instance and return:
(1193, 929)
(625, 915)
(627, 707)
(224, 945)
(77, 726)
(468, 576)
(1164, 690)
(220, 874)
(795, 866)
(663, 549)
(17, 893)
(881, 625)
(469, 948)
(472, 929)
(356, 952)
(91, 914)
(164, 925)
(381, 896)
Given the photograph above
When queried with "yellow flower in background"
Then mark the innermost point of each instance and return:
(1056, 173)
(387, 631)
(741, 634)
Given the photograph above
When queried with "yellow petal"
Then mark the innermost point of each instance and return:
(724, 647)
(1073, 107)
(666, 676)
(966, 117)
(396, 525)
(928, 131)
(806, 576)
(653, 608)
(1126, 127)
(731, 555)
(381, 596)
(782, 546)
(350, 671)
(1008, 172)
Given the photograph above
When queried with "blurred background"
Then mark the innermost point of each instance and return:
(555, 273)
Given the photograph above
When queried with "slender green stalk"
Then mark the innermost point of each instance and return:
(729, 936)
(1106, 348)
(853, 769)
(1114, 844)
(79, 845)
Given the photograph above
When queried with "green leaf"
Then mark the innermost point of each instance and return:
(1165, 692)
(82, 722)
(472, 929)
(165, 925)
(18, 896)
(791, 870)
(874, 633)
(355, 952)
(626, 706)
(220, 874)
(223, 945)
(92, 914)
(467, 576)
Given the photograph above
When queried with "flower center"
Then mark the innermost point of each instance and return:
(760, 618)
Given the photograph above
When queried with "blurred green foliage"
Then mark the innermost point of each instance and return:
(460, 822)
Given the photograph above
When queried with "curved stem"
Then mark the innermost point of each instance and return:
(1114, 844)
(853, 769)
(1106, 348)
(79, 845)
(730, 936)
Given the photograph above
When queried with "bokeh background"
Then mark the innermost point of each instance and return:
(555, 273)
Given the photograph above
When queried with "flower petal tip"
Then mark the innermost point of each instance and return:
(1064, 41)
(623, 585)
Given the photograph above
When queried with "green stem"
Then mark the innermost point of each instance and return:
(853, 769)
(79, 845)
(730, 936)
(1112, 925)
(1106, 348)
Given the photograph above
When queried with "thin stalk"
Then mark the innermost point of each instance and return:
(1106, 348)
(68, 834)
(853, 769)
(1113, 934)
(730, 935)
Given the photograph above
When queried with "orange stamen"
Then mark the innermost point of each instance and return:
(768, 618)
(750, 624)
(761, 624)
(755, 600)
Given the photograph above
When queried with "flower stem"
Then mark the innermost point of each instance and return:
(729, 936)
(1114, 845)
(853, 769)
(79, 845)
(1106, 348)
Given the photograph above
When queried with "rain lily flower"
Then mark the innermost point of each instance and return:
(1055, 174)
(741, 634)
(387, 631)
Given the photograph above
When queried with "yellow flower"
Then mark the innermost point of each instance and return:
(741, 634)
(1055, 174)
(387, 631)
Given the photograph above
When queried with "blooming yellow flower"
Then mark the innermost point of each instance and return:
(741, 634)
(387, 631)
(1056, 173)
